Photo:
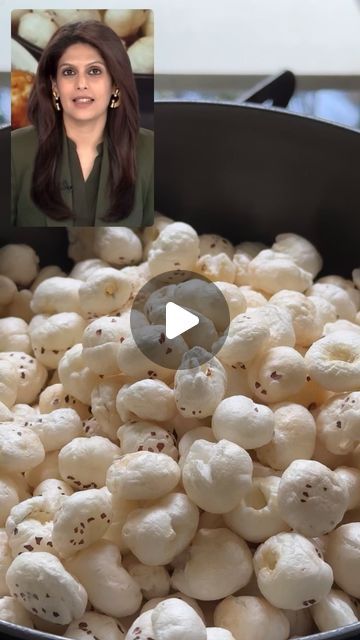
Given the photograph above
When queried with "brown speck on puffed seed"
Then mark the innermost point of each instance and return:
(162, 338)
(22, 374)
(34, 610)
(28, 547)
(42, 350)
(308, 378)
(70, 478)
(256, 409)
(38, 539)
(324, 488)
(83, 625)
(103, 515)
(16, 531)
(264, 392)
(47, 595)
(312, 601)
(67, 398)
(208, 372)
(98, 332)
(257, 385)
(35, 596)
(302, 500)
(305, 493)
(275, 376)
(56, 614)
(160, 446)
(168, 350)
(43, 610)
(49, 544)
(338, 424)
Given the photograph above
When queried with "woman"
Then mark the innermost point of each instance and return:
(85, 161)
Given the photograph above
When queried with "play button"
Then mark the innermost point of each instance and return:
(176, 312)
(178, 320)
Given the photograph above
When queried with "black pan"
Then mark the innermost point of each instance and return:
(247, 173)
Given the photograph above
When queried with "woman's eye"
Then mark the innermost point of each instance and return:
(68, 72)
(95, 71)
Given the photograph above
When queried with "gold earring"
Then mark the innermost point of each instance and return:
(56, 101)
(115, 100)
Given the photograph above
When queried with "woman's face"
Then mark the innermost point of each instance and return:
(83, 83)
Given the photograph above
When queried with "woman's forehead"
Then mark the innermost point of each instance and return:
(80, 53)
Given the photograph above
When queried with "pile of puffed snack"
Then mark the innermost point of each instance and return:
(141, 502)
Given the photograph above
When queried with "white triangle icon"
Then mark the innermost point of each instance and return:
(178, 320)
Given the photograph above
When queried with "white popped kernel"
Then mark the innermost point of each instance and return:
(175, 248)
(29, 526)
(334, 361)
(216, 267)
(216, 565)
(52, 337)
(213, 244)
(257, 516)
(9, 496)
(300, 250)
(45, 588)
(75, 376)
(343, 555)
(146, 399)
(290, 573)
(312, 499)
(85, 269)
(7, 290)
(19, 262)
(101, 342)
(253, 616)
(20, 448)
(294, 436)
(333, 611)
(337, 296)
(132, 361)
(244, 422)
(57, 294)
(82, 519)
(55, 397)
(154, 582)
(110, 588)
(198, 388)
(12, 611)
(146, 436)
(49, 468)
(338, 422)
(117, 245)
(47, 272)
(105, 292)
(98, 625)
(174, 619)
(277, 374)
(57, 428)
(31, 374)
(84, 462)
(216, 476)
(5, 562)
(8, 382)
(14, 335)
(272, 271)
(103, 407)
(142, 476)
(158, 533)
(306, 321)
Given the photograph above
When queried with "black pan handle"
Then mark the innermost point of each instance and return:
(278, 88)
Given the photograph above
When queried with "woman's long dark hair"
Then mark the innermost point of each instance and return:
(121, 129)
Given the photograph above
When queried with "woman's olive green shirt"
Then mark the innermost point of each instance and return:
(88, 200)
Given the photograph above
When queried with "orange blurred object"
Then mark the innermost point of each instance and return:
(21, 84)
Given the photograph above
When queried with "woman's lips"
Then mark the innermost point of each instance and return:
(83, 102)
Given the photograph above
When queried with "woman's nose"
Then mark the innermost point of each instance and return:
(81, 81)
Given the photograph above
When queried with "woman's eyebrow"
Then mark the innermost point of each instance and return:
(71, 64)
